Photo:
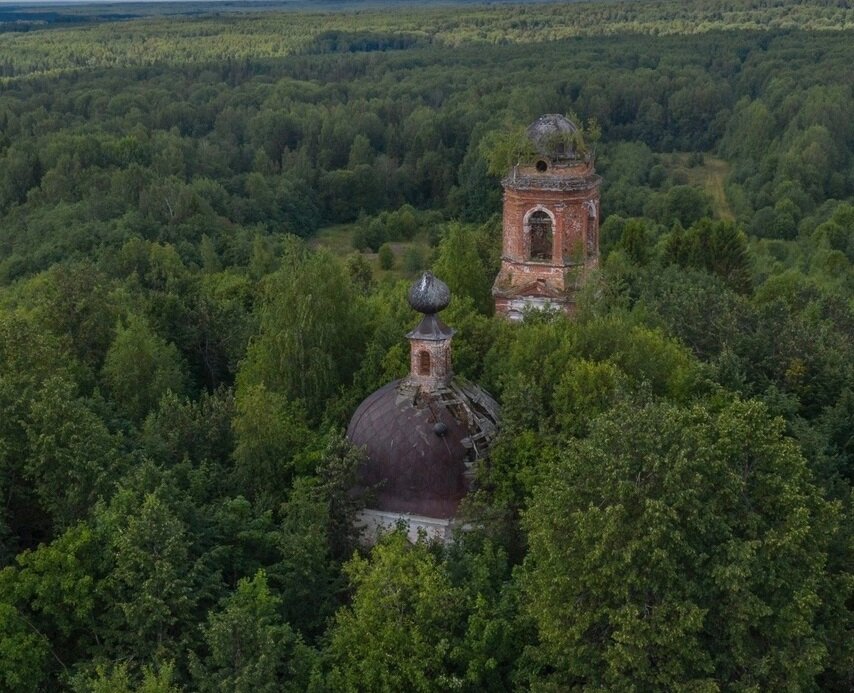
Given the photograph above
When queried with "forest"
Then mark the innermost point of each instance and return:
(208, 226)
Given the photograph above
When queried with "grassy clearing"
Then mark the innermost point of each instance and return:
(338, 240)
(709, 176)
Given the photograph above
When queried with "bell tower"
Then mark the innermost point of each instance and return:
(551, 222)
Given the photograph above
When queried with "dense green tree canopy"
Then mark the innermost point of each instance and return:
(193, 302)
(679, 549)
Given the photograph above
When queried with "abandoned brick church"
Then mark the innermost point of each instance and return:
(423, 434)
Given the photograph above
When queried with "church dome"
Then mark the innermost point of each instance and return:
(422, 435)
(420, 447)
(550, 134)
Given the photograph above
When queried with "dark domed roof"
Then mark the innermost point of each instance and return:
(429, 295)
(548, 132)
(420, 447)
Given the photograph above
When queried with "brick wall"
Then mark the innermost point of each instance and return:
(441, 370)
(570, 196)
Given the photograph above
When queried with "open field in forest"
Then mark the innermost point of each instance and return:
(708, 176)
(338, 239)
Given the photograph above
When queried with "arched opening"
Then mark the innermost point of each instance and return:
(590, 229)
(540, 229)
(542, 166)
(423, 363)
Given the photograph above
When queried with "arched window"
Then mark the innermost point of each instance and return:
(423, 363)
(540, 229)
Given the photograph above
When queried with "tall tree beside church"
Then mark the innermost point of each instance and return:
(395, 635)
(311, 332)
(461, 267)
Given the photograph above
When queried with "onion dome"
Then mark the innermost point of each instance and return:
(423, 434)
(550, 134)
(429, 295)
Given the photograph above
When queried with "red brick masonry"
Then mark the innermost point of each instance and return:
(569, 194)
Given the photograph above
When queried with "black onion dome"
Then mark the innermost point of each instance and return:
(429, 294)
(547, 132)
(420, 448)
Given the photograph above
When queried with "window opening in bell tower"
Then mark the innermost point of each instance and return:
(540, 225)
(423, 363)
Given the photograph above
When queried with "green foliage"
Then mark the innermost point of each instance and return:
(586, 390)
(46, 609)
(140, 367)
(359, 269)
(249, 37)
(176, 361)
(395, 634)
(634, 241)
(337, 471)
(51, 590)
(269, 432)
(73, 458)
(505, 149)
(310, 335)
(196, 429)
(665, 542)
(474, 336)
(718, 247)
(251, 647)
(34, 366)
(413, 260)
(217, 325)
(463, 268)
(118, 679)
(23, 652)
(697, 308)
(403, 224)
(386, 257)
(477, 195)
(73, 300)
(487, 652)
(150, 589)
(682, 204)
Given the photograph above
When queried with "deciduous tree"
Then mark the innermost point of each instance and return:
(679, 549)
